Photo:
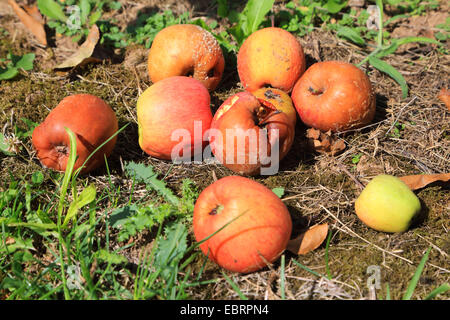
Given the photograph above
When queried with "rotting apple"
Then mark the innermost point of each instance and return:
(334, 95)
(249, 135)
(172, 109)
(90, 118)
(280, 100)
(387, 204)
(256, 224)
(270, 57)
(186, 50)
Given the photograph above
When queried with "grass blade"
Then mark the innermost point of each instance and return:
(308, 269)
(441, 289)
(234, 286)
(390, 71)
(415, 279)
(283, 279)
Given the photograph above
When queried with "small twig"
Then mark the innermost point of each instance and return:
(399, 114)
(343, 168)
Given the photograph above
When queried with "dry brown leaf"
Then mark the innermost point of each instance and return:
(10, 240)
(418, 181)
(84, 53)
(309, 240)
(31, 21)
(444, 96)
(324, 142)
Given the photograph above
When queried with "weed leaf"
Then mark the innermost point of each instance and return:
(390, 71)
(350, 34)
(86, 196)
(51, 9)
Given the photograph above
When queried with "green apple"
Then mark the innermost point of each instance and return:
(387, 204)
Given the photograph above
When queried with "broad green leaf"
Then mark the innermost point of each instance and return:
(86, 196)
(85, 9)
(51, 9)
(350, 34)
(25, 62)
(334, 6)
(19, 243)
(8, 73)
(390, 71)
(278, 191)
(415, 279)
(94, 17)
(255, 11)
(110, 257)
(222, 8)
(401, 41)
(37, 177)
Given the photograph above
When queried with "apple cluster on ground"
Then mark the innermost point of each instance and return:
(244, 224)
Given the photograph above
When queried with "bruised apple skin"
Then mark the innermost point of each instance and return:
(259, 233)
(186, 50)
(270, 57)
(280, 100)
(172, 105)
(244, 130)
(334, 95)
(93, 122)
(387, 204)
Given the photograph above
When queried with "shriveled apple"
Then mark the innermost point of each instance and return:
(250, 136)
(270, 57)
(280, 100)
(256, 224)
(186, 50)
(173, 116)
(334, 95)
(93, 122)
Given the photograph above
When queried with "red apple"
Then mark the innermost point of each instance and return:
(259, 232)
(173, 116)
(93, 122)
(186, 50)
(270, 57)
(334, 95)
(243, 132)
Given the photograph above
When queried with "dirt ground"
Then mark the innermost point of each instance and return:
(318, 188)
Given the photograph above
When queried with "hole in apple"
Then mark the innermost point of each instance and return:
(216, 210)
(62, 149)
(210, 73)
(315, 92)
(190, 73)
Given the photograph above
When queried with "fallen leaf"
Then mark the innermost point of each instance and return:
(309, 240)
(30, 19)
(84, 53)
(444, 96)
(324, 142)
(419, 181)
(10, 240)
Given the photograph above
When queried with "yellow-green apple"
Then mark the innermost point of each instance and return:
(256, 225)
(334, 95)
(250, 136)
(270, 57)
(186, 50)
(387, 204)
(90, 118)
(173, 116)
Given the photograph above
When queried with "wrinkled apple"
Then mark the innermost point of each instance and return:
(259, 224)
(186, 50)
(270, 57)
(173, 116)
(387, 204)
(334, 95)
(280, 100)
(93, 122)
(250, 136)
